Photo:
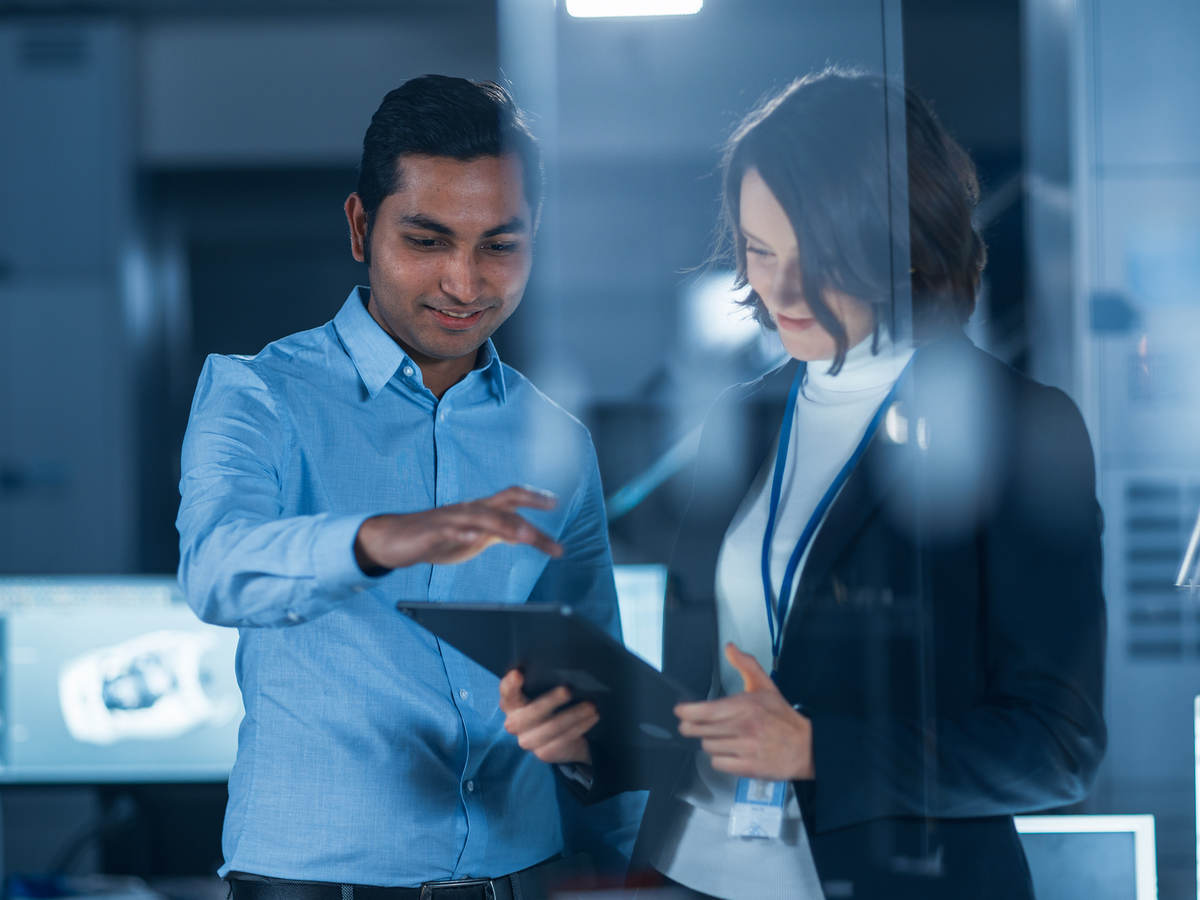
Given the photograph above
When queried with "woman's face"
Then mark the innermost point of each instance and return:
(773, 269)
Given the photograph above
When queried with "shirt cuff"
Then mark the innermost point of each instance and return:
(333, 560)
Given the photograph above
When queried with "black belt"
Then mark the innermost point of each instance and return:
(523, 885)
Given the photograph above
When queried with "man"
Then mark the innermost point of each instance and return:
(376, 459)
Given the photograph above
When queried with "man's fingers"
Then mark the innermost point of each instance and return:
(566, 749)
(536, 711)
(542, 541)
(482, 521)
(512, 697)
(566, 726)
(522, 495)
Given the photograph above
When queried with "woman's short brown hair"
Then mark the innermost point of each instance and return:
(821, 147)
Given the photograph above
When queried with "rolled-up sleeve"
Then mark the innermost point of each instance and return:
(241, 562)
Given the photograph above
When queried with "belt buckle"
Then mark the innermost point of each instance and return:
(432, 890)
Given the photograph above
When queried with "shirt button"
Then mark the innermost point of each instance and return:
(463, 694)
(408, 371)
(442, 417)
(470, 787)
(293, 616)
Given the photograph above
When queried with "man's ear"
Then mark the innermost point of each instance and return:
(356, 218)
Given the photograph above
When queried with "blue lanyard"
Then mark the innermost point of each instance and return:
(776, 620)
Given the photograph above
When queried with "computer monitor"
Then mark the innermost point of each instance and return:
(641, 596)
(113, 680)
(1098, 857)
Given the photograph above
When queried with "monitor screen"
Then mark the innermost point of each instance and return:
(114, 679)
(641, 594)
(1098, 857)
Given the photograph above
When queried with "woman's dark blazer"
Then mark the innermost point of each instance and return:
(947, 637)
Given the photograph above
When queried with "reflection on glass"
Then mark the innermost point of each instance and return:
(1189, 569)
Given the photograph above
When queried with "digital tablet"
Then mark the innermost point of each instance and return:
(553, 645)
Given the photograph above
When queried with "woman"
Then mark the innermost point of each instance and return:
(919, 520)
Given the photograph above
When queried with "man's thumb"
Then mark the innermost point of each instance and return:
(753, 676)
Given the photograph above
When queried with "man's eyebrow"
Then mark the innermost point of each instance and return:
(427, 224)
(515, 225)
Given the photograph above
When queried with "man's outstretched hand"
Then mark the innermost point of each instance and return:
(452, 534)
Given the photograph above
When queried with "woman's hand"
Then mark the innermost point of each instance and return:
(551, 736)
(755, 733)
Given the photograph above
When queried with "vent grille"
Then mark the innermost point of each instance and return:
(1163, 621)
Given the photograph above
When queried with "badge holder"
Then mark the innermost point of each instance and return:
(757, 810)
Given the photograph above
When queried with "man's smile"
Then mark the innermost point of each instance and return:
(458, 319)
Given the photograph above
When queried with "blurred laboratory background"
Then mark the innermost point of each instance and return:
(171, 180)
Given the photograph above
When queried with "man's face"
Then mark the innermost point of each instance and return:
(450, 253)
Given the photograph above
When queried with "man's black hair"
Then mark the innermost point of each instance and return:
(437, 115)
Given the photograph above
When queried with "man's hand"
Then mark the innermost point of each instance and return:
(452, 534)
(755, 733)
(551, 736)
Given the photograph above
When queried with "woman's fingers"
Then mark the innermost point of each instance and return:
(754, 678)
(728, 728)
(755, 734)
(709, 711)
(736, 765)
(728, 746)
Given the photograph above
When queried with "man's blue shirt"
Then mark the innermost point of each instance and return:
(371, 753)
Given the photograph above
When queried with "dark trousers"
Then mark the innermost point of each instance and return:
(534, 883)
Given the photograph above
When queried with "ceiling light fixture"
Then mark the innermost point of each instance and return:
(611, 9)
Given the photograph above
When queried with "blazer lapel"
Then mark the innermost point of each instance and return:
(753, 411)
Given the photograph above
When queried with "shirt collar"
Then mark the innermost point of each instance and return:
(377, 356)
(492, 370)
(374, 354)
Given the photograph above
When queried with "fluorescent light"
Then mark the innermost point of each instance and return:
(597, 9)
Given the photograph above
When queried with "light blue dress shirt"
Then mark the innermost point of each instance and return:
(370, 752)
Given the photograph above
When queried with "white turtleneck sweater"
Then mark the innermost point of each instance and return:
(832, 414)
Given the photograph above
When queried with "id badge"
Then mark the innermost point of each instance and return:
(757, 810)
